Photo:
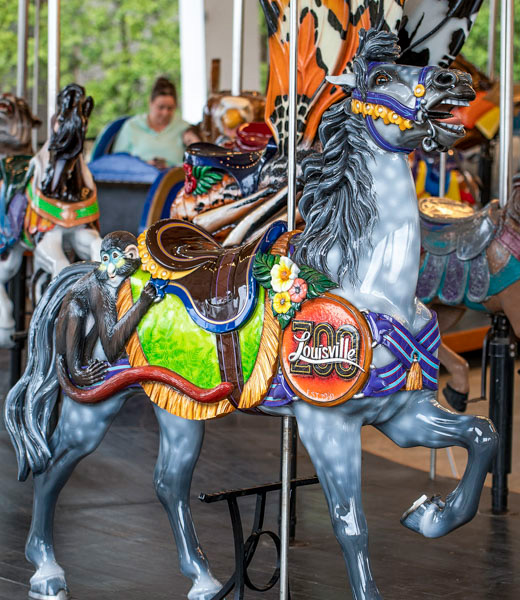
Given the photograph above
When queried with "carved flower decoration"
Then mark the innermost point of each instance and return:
(190, 183)
(283, 274)
(288, 284)
(298, 292)
(281, 303)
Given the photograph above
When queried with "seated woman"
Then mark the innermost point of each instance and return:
(159, 137)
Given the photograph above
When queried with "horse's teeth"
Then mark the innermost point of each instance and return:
(458, 102)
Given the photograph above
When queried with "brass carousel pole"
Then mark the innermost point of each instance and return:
(288, 422)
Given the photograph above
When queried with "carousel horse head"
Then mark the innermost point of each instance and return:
(63, 173)
(16, 124)
(70, 122)
(404, 106)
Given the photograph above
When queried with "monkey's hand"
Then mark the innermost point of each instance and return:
(93, 373)
(159, 285)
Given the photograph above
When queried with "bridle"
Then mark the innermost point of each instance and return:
(377, 101)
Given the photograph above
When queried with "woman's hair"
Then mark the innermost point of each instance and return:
(163, 87)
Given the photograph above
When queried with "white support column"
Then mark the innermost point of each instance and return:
(506, 100)
(193, 59)
(23, 34)
(238, 46)
(219, 42)
(53, 57)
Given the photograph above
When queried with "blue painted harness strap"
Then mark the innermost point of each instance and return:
(391, 378)
(407, 348)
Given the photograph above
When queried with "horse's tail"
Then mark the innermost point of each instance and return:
(30, 403)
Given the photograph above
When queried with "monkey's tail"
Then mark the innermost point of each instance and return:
(30, 402)
(138, 375)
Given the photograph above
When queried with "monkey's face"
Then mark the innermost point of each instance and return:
(117, 264)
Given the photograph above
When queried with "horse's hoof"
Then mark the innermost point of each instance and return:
(204, 589)
(455, 399)
(48, 583)
(421, 517)
(61, 595)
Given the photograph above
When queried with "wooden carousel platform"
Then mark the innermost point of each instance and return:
(114, 540)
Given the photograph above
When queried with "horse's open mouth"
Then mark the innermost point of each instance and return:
(442, 116)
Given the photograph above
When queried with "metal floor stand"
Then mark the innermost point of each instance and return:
(502, 350)
(245, 550)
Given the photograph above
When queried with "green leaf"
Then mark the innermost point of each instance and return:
(206, 178)
(284, 319)
(262, 266)
(317, 283)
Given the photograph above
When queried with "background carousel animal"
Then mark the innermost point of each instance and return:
(471, 260)
(63, 208)
(16, 125)
(214, 196)
(56, 203)
(245, 312)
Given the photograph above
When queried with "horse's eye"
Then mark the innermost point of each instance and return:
(105, 258)
(115, 254)
(382, 78)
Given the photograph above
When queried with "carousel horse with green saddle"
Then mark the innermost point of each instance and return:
(321, 324)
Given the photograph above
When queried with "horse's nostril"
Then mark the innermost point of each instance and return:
(445, 79)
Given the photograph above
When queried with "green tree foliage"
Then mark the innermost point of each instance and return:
(476, 47)
(115, 48)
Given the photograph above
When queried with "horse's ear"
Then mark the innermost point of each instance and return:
(88, 106)
(345, 80)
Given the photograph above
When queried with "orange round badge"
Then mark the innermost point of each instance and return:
(326, 351)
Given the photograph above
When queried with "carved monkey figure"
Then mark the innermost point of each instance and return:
(89, 312)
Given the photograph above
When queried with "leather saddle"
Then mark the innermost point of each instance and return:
(216, 284)
(244, 167)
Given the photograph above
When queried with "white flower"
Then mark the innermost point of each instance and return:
(283, 274)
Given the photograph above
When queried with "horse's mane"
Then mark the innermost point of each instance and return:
(338, 202)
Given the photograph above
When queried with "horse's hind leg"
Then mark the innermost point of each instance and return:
(424, 422)
(332, 439)
(79, 431)
(179, 449)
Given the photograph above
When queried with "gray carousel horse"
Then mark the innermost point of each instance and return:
(362, 231)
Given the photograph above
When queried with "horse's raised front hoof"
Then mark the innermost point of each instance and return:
(204, 589)
(457, 400)
(61, 595)
(423, 517)
(6, 340)
(48, 583)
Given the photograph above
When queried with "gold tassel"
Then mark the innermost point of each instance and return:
(414, 379)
